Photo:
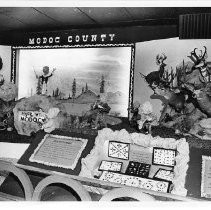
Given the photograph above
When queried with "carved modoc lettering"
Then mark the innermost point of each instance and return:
(22, 118)
(32, 116)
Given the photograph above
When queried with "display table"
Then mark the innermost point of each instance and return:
(193, 183)
(36, 176)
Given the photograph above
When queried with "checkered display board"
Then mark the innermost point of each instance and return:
(160, 186)
(164, 175)
(165, 157)
(137, 169)
(110, 166)
(118, 150)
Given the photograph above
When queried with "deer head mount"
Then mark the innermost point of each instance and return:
(154, 78)
(160, 59)
(173, 99)
(203, 96)
(198, 58)
(203, 89)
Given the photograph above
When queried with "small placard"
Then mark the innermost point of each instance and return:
(59, 151)
(206, 177)
(140, 154)
(110, 166)
(118, 150)
(164, 157)
(145, 183)
(163, 174)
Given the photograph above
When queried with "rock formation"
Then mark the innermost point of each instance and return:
(35, 103)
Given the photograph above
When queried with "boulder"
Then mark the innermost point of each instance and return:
(41, 103)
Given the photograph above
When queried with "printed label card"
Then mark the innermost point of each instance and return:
(110, 166)
(140, 154)
(118, 150)
(206, 177)
(165, 157)
(38, 117)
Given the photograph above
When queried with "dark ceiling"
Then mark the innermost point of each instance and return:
(57, 18)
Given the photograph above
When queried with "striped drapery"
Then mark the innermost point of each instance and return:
(195, 26)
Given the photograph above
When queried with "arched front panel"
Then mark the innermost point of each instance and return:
(21, 175)
(76, 186)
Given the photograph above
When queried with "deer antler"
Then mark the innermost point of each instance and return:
(198, 58)
(190, 86)
(194, 53)
(164, 57)
(168, 78)
(160, 58)
(193, 56)
(205, 53)
(203, 82)
(173, 75)
(157, 59)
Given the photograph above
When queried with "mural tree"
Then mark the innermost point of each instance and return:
(56, 92)
(74, 89)
(102, 85)
(86, 88)
(82, 90)
(39, 87)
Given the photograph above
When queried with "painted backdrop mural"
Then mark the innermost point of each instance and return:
(77, 75)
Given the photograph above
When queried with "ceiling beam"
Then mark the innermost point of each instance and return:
(46, 15)
(87, 16)
(128, 13)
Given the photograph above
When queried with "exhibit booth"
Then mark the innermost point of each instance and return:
(111, 113)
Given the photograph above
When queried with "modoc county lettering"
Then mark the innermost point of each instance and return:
(73, 39)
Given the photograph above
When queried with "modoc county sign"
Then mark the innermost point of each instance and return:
(32, 116)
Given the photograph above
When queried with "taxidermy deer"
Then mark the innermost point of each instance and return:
(200, 63)
(153, 78)
(175, 100)
(203, 96)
